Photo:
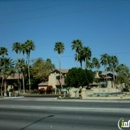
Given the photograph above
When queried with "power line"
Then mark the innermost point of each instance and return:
(36, 9)
(62, 13)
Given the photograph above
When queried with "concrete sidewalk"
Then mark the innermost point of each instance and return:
(89, 99)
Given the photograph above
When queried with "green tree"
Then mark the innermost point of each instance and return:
(3, 52)
(87, 53)
(96, 63)
(105, 61)
(77, 45)
(80, 57)
(17, 48)
(41, 69)
(77, 77)
(29, 44)
(113, 64)
(21, 65)
(123, 75)
(59, 47)
(8, 70)
(50, 65)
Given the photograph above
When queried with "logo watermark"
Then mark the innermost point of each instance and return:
(123, 124)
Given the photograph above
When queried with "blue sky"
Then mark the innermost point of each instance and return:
(103, 25)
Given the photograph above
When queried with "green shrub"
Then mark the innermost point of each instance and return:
(125, 90)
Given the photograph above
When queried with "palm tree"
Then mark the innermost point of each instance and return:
(86, 52)
(21, 65)
(17, 48)
(79, 57)
(113, 63)
(3, 52)
(105, 61)
(8, 66)
(123, 75)
(59, 47)
(29, 45)
(77, 45)
(96, 63)
(23, 48)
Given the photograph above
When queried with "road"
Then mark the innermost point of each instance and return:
(40, 114)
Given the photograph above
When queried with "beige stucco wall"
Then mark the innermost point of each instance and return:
(52, 80)
(74, 92)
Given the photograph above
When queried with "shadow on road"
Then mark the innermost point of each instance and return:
(35, 122)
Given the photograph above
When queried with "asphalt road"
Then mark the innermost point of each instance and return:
(26, 114)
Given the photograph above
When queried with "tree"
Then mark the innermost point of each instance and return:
(40, 71)
(3, 52)
(113, 63)
(77, 45)
(80, 58)
(59, 47)
(77, 77)
(105, 61)
(96, 63)
(86, 52)
(123, 75)
(17, 48)
(21, 65)
(29, 44)
(8, 70)
(52, 66)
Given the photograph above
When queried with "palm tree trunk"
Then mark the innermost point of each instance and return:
(5, 90)
(77, 58)
(1, 87)
(85, 66)
(23, 84)
(60, 70)
(29, 74)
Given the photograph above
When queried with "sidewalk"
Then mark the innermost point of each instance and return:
(88, 99)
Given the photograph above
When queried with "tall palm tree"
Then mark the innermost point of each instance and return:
(113, 63)
(96, 63)
(79, 57)
(59, 47)
(17, 48)
(123, 75)
(21, 65)
(105, 61)
(77, 45)
(29, 45)
(8, 65)
(86, 51)
(23, 48)
(3, 52)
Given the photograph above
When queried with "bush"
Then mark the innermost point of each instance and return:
(125, 90)
(49, 89)
(41, 90)
(35, 91)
